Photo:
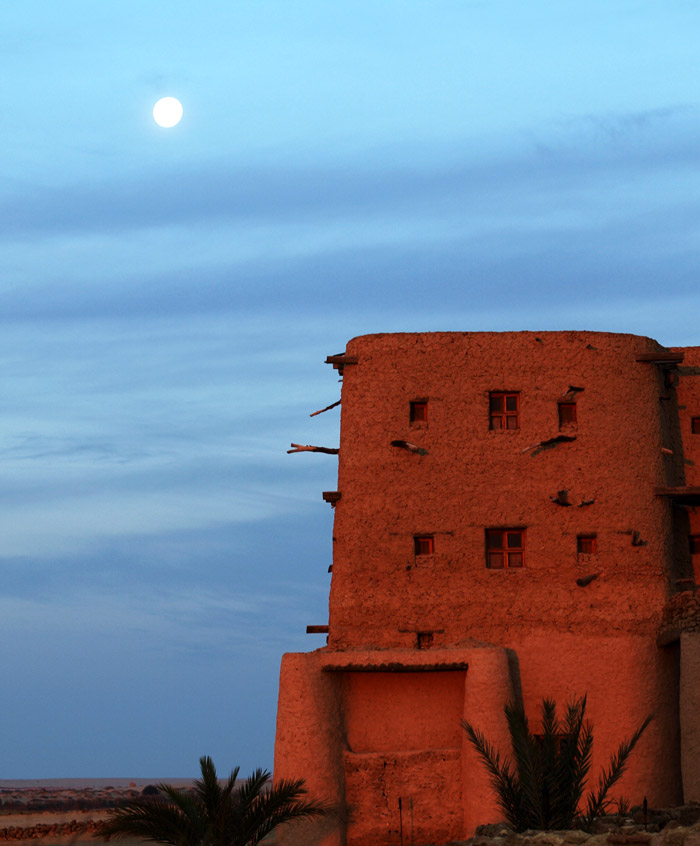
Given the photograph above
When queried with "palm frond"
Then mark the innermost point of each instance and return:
(230, 785)
(251, 788)
(572, 763)
(544, 787)
(212, 815)
(282, 803)
(503, 780)
(527, 764)
(549, 791)
(598, 802)
(207, 788)
(155, 820)
(551, 735)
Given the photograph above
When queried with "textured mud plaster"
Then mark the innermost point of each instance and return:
(368, 728)
(310, 740)
(690, 714)
(371, 713)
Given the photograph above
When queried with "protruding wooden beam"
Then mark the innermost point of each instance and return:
(661, 357)
(327, 408)
(681, 495)
(586, 580)
(339, 361)
(680, 492)
(317, 630)
(311, 448)
(549, 443)
(410, 447)
(331, 496)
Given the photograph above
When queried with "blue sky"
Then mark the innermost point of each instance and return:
(168, 296)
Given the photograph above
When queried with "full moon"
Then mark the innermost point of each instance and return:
(167, 111)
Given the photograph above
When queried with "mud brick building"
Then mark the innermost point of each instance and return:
(515, 516)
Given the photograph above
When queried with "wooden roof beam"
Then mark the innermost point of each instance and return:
(339, 361)
(661, 357)
(681, 495)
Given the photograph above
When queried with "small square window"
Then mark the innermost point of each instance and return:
(424, 544)
(505, 548)
(424, 640)
(504, 410)
(586, 544)
(567, 414)
(419, 411)
(695, 544)
(695, 425)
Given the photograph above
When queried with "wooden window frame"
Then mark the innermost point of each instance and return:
(586, 544)
(418, 411)
(501, 543)
(695, 425)
(423, 545)
(504, 419)
(570, 410)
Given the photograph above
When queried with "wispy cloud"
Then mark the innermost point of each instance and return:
(241, 241)
(166, 619)
(626, 124)
(381, 182)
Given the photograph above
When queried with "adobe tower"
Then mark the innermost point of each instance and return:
(515, 516)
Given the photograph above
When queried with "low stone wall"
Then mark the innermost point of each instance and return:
(667, 827)
(42, 830)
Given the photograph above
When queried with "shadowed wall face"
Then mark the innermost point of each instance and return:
(688, 445)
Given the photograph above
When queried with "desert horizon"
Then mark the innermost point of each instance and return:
(63, 811)
(97, 783)
(59, 811)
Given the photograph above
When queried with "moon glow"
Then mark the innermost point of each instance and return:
(167, 111)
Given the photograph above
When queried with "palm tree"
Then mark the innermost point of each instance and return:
(212, 814)
(545, 786)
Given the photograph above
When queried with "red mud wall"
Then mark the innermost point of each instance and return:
(309, 744)
(363, 738)
(569, 639)
(473, 479)
(625, 678)
(575, 618)
(404, 743)
(396, 711)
